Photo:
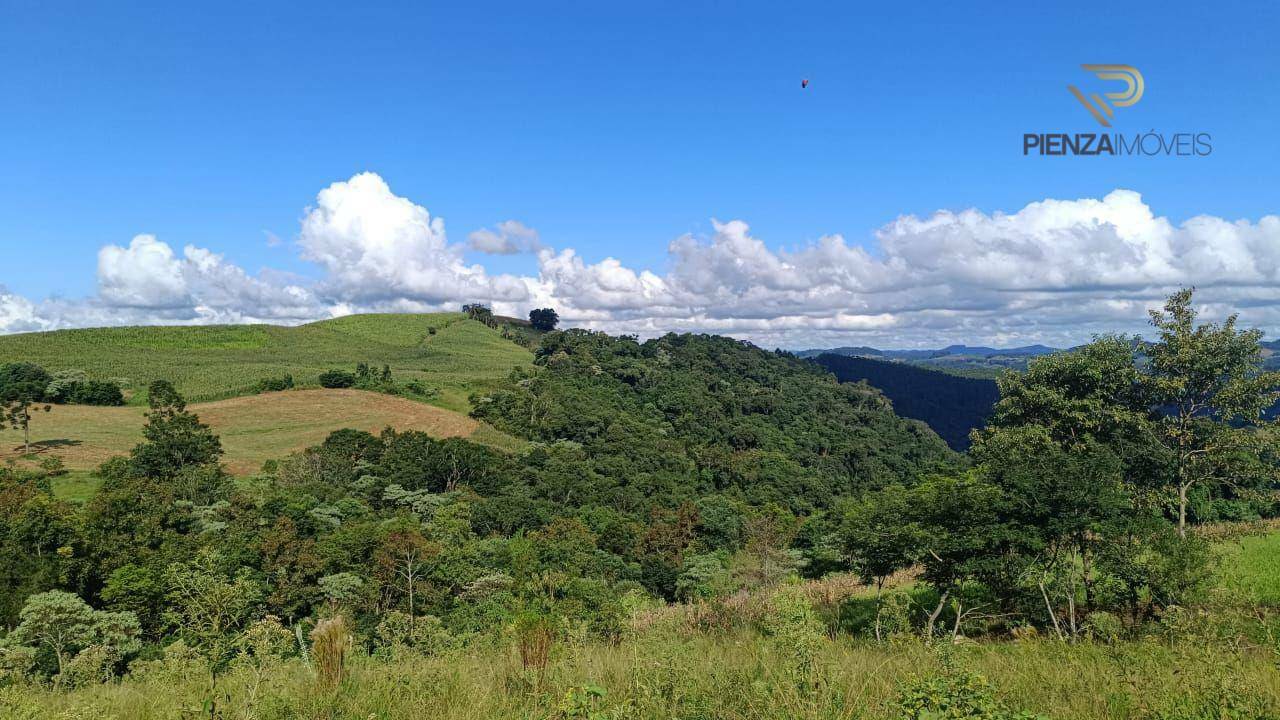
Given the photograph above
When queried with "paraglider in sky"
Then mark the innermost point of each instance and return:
(804, 83)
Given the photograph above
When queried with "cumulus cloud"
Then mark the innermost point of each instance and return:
(1054, 271)
(144, 275)
(377, 247)
(510, 237)
(149, 276)
(17, 314)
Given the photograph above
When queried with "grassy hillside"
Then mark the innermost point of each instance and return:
(253, 429)
(222, 361)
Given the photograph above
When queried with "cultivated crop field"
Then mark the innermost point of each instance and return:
(253, 429)
(215, 362)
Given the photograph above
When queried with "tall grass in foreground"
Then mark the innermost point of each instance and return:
(734, 676)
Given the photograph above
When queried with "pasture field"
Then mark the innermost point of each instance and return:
(215, 362)
(253, 429)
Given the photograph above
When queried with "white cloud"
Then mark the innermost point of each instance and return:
(377, 247)
(144, 275)
(149, 280)
(1055, 271)
(17, 314)
(509, 237)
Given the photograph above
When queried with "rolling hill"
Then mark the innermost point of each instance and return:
(218, 369)
(950, 405)
(447, 351)
(253, 429)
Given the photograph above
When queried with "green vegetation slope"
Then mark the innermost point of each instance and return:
(447, 351)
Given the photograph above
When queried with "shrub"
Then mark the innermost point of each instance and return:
(98, 392)
(1104, 626)
(94, 665)
(64, 382)
(421, 389)
(74, 386)
(337, 379)
(796, 629)
(53, 466)
(703, 577)
(18, 663)
(277, 384)
(426, 634)
(954, 695)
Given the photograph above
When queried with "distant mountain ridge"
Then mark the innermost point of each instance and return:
(949, 351)
(972, 361)
(951, 389)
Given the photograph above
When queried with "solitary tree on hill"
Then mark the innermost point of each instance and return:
(544, 319)
(22, 387)
(174, 437)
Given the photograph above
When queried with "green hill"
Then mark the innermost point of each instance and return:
(447, 351)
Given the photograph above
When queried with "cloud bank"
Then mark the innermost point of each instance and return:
(1055, 271)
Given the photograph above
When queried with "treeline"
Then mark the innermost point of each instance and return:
(688, 467)
(28, 382)
(27, 388)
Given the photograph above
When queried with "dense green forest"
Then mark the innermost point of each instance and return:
(950, 405)
(675, 495)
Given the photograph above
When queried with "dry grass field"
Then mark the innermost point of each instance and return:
(253, 429)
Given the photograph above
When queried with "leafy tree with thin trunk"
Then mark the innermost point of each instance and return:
(63, 624)
(22, 388)
(1206, 383)
(57, 621)
(404, 559)
(880, 537)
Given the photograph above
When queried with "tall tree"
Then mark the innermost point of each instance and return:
(1207, 383)
(544, 319)
(881, 537)
(174, 437)
(63, 624)
(22, 387)
(403, 559)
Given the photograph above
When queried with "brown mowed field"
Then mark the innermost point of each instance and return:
(253, 429)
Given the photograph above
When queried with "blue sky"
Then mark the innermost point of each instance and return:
(610, 128)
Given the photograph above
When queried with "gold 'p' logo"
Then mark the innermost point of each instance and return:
(1131, 95)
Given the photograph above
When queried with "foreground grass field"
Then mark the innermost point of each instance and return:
(1201, 665)
(253, 429)
(734, 676)
(447, 351)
